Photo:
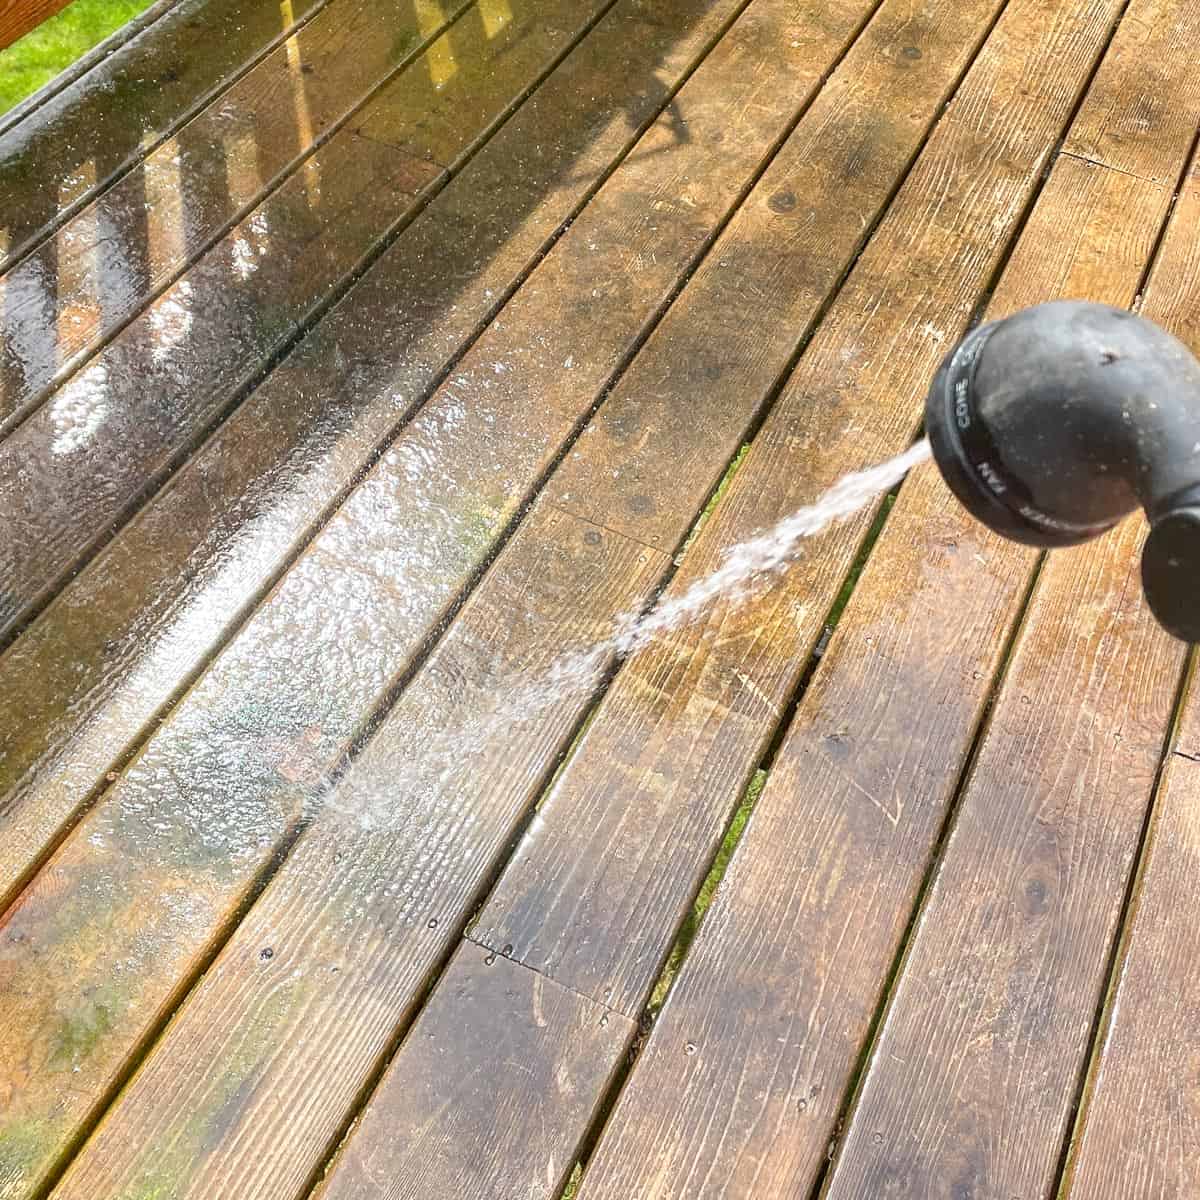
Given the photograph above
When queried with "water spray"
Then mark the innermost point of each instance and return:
(1054, 424)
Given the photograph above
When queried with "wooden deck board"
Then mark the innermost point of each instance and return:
(259, 666)
(79, 289)
(130, 632)
(107, 120)
(591, 288)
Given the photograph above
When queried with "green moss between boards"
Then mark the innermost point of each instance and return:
(32, 61)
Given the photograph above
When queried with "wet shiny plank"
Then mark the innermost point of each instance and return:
(370, 900)
(76, 469)
(78, 141)
(287, 695)
(778, 993)
(83, 681)
(79, 288)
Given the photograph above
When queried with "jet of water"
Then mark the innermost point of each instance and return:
(437, 759)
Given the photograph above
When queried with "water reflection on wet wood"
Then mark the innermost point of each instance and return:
(351, 387)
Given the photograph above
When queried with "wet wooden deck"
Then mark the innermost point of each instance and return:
(355, 369)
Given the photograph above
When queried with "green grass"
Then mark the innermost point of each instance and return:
(691, 924)
(32, 61)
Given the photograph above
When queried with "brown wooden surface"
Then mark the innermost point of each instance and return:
(78, 688)
(18, 17)
(557, 1051)
(779, 991)
(391, 1160)
(293, 703)
(437, 531)
(709, 91)
(124, 106)
(573, 902)
(78, 289)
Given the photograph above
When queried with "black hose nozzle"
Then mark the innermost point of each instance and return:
(1055, 423)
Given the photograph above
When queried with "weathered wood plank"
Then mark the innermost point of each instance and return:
(78, 289)
(125, 105)
(19, 17)
(1137, 1132)
(634, 821)
(105, 439)
(82, 682)
(442, 858)
(555, 1053)
(393, 863)
(1010, 955)
(284, 698)
(778, 992)
(1144, 99)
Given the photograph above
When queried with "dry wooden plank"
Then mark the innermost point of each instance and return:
(205, 798)
(19, 17)
(105, 439)
(106, 48)
(317, 900)
(79, 685)
(77, 290)
(1010, 955)
(1143, 101)
(1137, 1132)
(738, 1090)
(1009, 958)
(110, 117)
(396, 859)
(556, 1053)
(632, 824)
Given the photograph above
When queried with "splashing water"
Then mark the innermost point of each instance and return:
(746, 570)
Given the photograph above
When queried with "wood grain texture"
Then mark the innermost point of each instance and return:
(285, 697)
(78, 289)
(776, 996)
(68, 491)
(502, 1054)
(1137, 1133)
(19, 17)
(1144, 99)
(74, 469)
(635, 819)
(109, 118)
(1011, 951)
(262, 1067)
(81, 684)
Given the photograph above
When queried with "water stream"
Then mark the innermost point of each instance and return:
(428, 759)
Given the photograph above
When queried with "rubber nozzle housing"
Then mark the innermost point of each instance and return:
(1057, 422)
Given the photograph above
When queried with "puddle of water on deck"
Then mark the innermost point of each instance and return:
(429, 761)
